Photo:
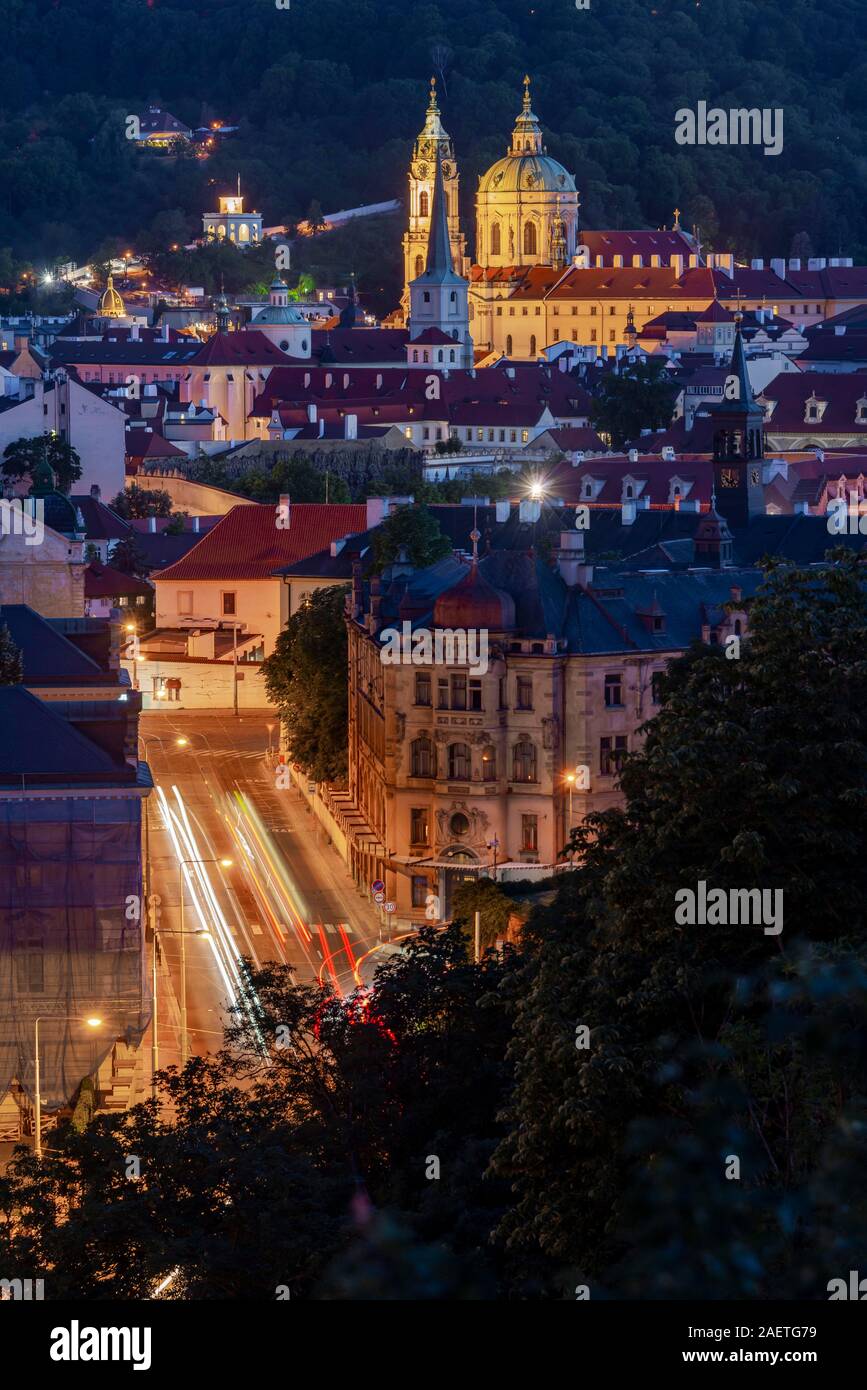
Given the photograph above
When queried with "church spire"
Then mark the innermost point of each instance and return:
(439, 251)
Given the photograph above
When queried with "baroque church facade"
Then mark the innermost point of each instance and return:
(530, 251)
(526, 211)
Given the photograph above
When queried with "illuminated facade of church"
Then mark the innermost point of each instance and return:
(535, 280)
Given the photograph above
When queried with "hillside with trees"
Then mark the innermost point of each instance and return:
(329, 98)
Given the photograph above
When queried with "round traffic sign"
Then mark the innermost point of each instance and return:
(391, 907)
(379, 897)
(378, 885)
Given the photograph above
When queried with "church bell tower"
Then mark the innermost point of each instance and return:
(738, 424)
(433, 146)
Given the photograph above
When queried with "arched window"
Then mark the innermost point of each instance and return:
(452, 355)
(419, 265)
(524, 762)
(529, 239)
(495, 239)
(422, 757)
(509, 345)
(533, 345)
(243, 232)
(459, 762)
(423, 204)
(489, 764)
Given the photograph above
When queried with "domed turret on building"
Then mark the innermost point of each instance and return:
(282, 323)
(474, 603)
(522, 201)
(58, 511)
(111, 306)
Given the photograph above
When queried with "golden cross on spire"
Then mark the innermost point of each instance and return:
(676, 227)
(433, 94)
(526, 92)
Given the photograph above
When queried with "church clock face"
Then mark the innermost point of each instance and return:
(447, 171)
(730, 477)
(420, 171)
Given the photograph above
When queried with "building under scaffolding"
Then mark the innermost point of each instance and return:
(71, 919)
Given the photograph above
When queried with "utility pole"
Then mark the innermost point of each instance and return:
(235, 667)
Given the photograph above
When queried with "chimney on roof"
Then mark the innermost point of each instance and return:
(133, 333)
(285, 511)
(655, 261)
(350, 427)
(529, 510)
(570, 558)
(152, 524)
(668, 453)
(795, 264)
(95, 491)
(600, 261)
(628, 511)
(312, 413)
(816, 263)
(164, 332)
(20, 342)
(632, 455)
(637, 262)
(196, 524)
(778, 266)
(802, 509)
(503, 510)
(617, 262)
(757, 264)
(677, 265)
(321, 429)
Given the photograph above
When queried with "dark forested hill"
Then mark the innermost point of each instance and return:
(330, 93)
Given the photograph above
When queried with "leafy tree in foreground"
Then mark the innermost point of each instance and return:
(707, 1042)
(298, 1156)
(306, 677)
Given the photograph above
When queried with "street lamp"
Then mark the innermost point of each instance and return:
(61, 1018)
(226, 864)
(570, 778)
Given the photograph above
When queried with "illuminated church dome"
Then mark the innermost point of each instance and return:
(111, 306)
(522, 198)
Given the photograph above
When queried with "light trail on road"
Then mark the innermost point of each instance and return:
(205, 902)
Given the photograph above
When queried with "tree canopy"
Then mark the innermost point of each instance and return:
(350, 115)
(306, 678)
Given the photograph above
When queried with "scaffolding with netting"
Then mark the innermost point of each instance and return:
(71, 937)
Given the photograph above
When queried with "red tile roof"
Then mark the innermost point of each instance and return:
(143, 443)
(641, 243)
(627, 282)
(248, 349)
(247, 543)
(790, 392)
(103, 581)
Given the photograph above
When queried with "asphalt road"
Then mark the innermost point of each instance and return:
(286, 895)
